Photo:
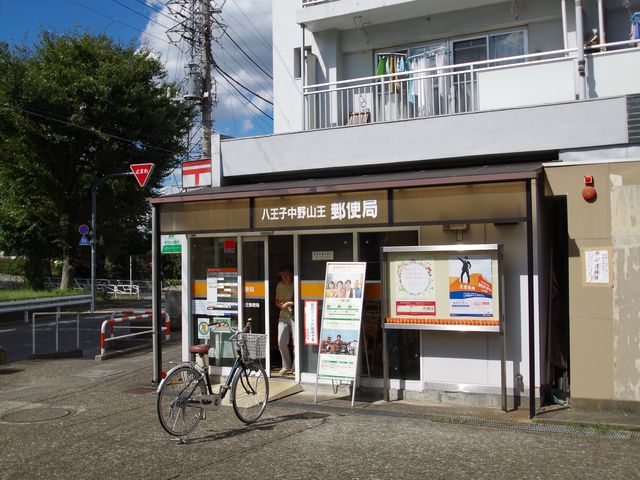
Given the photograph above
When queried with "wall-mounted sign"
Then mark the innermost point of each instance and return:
(311, 322)
(203, 328)
(443, 287)
(170, 244)
(322, 256)
(470, 287)
(350, 208)
(222, 292)
(196, 173)
(596, 266)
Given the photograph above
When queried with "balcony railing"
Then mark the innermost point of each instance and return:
(527, 80)
(306, 3)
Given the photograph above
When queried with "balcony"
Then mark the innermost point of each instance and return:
(523, 81)
(318, 15)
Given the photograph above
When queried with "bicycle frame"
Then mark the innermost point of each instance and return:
(212, 400)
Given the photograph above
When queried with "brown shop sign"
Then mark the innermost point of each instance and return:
(355, 208)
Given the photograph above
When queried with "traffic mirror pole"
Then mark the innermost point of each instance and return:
(94, 235)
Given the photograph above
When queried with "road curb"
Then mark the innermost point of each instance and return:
(54, 355)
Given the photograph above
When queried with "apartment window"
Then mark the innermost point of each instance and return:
(490, 47)
(297, 63)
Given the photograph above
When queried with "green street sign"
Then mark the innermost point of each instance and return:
(170, 244)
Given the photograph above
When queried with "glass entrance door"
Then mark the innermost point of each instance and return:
(280, 256)
(254, 287)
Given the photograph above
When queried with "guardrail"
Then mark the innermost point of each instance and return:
(104, 285)
(131, 315)
(27, 306)
(127, 290)
(57, 314)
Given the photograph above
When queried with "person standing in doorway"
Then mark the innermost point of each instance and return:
(466, 266)
(284, 301)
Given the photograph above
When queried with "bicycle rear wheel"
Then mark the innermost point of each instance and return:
(176, 415)
(250, 392)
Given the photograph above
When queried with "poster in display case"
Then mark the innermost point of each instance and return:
(449, 287)
(444, 287)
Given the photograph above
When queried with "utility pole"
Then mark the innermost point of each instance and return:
(195, 26)
(206, 53)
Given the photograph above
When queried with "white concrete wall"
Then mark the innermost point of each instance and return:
(543, 128)
(287, 90)
(606, 77)
(517, 86)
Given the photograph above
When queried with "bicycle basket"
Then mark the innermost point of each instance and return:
(253, 346)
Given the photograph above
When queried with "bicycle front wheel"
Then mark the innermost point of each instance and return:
(250, 392)
(177, 416)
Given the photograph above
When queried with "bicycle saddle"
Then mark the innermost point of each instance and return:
(201, 349)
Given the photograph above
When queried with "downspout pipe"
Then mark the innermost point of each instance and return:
(601, 32)
(303, 72)
(580, 50)
(565, 28)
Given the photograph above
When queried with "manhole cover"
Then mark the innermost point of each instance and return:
(35, 415)
(140, 390)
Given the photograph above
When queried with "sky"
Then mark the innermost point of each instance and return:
(247, 61)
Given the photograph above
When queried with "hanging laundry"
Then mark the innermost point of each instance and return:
(382, 65)
(400, 68)
(635, 27)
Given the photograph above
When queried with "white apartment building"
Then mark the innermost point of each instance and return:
(467, 122)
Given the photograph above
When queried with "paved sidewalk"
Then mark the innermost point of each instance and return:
(78, 418)
(45, 377)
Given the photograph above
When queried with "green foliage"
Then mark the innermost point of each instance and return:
(171, 269)
(27, 294)
(73, 110)
(10, 266)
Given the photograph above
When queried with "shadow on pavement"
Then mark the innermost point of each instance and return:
(267, 424)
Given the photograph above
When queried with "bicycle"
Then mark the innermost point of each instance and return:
(185, 393)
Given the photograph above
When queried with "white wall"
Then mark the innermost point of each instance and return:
(515, 86)
(287, 91)
(604, 73)
(472, 360)
(534, 129)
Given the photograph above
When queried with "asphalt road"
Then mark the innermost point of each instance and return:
(86, 420)
(84, 334)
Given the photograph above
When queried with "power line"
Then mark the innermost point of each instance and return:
(249, 20)
(258, 80)
(93, 130)
(160, 11)
(117, 21)
(247, 55)
(138, 13)
(249, 32)
(229, 77)
(259, 119)
(247, 99)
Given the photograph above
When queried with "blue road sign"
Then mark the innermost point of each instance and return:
(83, 229)
(84, 241)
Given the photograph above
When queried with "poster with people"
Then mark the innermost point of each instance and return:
(470, 285)
(341, 320)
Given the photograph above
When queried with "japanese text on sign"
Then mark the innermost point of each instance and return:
(338, 211)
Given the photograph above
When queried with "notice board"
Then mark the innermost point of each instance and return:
(444, 287)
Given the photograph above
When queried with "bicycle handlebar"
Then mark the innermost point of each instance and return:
(247, 327)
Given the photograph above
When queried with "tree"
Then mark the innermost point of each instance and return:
(72, 110)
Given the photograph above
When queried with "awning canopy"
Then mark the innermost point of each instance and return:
(418, 178)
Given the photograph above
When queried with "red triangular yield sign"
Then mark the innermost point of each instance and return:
(142, 172)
